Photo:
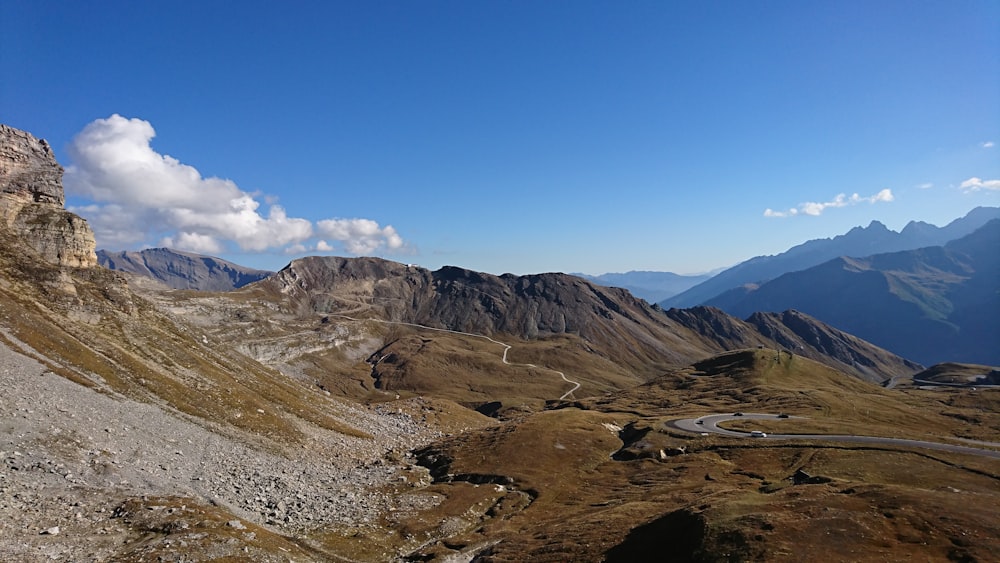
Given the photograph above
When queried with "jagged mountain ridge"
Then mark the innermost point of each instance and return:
(182, 270)
(876, 238)
(933, 304)
(610, 322)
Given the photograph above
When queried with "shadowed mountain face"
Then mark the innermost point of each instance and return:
(181, 270)
(873, 239)
(801, 334)
(933, 304)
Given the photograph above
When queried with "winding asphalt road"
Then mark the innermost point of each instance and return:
(710, 424)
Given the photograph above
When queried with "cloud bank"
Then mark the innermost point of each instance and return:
(978, 184)
(814, 209)
(143, 198)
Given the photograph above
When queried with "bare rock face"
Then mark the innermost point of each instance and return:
(32, 202)
(60, 237)
(28, 168)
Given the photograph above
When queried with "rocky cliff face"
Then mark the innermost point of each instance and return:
(32, 202)
(28, 168)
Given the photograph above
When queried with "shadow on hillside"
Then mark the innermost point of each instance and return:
(678, 537)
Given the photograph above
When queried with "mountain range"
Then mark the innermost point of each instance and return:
(337, 410)
(181, 270)
(932, 304)
(858, 242)
(604, 335)
(920, 311)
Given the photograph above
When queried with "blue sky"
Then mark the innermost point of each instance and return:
(508, 136)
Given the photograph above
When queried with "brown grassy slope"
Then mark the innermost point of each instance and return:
(778, 382)
(730, 499)
(470, 370)
(87, 325)
(952, 373)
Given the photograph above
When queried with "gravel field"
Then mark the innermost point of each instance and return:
(69, 456)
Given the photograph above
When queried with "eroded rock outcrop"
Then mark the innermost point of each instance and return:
(32, 202)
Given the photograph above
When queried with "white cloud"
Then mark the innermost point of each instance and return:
(193, 242)
(114, 226)
(976, 184)
(139, 196)
(884, 195)
(814, 208)
(987, 144)
(360, 236)
(925, 186)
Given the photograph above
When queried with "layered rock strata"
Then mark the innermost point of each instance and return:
(32, 202)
